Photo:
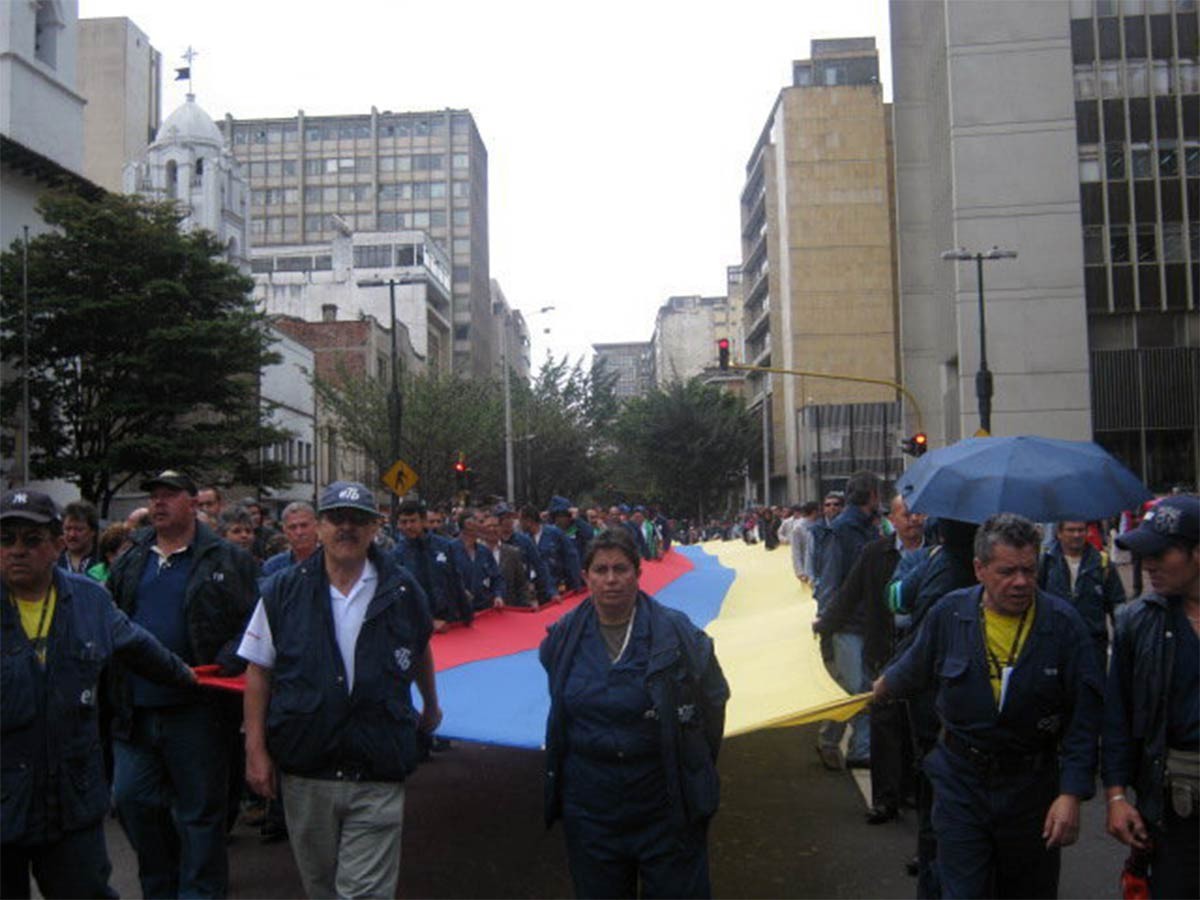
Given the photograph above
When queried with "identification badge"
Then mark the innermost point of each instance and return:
(1005, 677)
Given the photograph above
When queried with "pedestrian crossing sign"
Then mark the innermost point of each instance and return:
(400, 478)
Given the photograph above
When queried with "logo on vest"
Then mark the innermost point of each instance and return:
(403, 658)
(218, 577)
(441, 558)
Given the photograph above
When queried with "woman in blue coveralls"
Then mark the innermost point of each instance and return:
(637, 710)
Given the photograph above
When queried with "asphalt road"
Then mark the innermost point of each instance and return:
(787, 828)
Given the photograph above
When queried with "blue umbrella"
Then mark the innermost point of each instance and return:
(1044, 479)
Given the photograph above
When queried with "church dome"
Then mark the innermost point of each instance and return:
(189, 124)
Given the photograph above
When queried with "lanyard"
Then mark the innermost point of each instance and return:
(39, 639)
(1012, 651)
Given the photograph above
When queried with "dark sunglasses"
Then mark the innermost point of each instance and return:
(349, 517)
(30, 540)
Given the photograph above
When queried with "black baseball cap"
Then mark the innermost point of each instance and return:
(31, 506)
(171, 478)
(1172, 521)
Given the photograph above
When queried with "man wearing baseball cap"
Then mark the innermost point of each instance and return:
(57, 632)
(334, 645)
(193, 591)
(1151, 741)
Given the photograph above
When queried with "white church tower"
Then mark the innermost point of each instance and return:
(189, 162)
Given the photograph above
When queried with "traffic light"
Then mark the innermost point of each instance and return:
(723, 354)
(460, 473)
(915, 445)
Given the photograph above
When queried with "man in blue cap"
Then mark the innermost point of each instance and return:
(334, 646)
(439, 567)
(556, 550)
(573, 526)
(1151, 744)
(544, 587)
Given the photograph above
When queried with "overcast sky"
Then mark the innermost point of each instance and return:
(617, 133)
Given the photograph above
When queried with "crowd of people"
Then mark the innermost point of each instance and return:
(997, 655)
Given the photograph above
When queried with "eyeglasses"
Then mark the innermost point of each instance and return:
(30, 540)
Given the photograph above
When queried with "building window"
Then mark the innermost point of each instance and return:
(1137, 82)
(428, 162)
(437, 218)
(1168, 159)
(373, 256)
(418, 220)
(1115, 158)
(462, 273)
(1172, 233)
(387, 164)
(1188, 75)
(1191, 155)
(1118, 243)
(462, 332)
(1110, 79)
(462, 217)
(261, 266)
(1093, 245)
(312, 195)
(321, 263)
(396, 191)
(314, 166)
(1142, 161)
(462, 245)
(460, 161)
(391, 221)
(312, 223)
(1162, 77)
(1089, 163)
(293, 263)
(1147, 249)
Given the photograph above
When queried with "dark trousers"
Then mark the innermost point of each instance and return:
(609, 861)
(1175, 860)
(76, 865)
(989, 829)
(891, 753)
(171, 786)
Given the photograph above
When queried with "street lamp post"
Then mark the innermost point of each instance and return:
(395, 399)
(508, 427)
(983, 378)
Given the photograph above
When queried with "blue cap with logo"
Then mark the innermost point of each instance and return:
(347, 495)
(32, 506)
(1172, 521)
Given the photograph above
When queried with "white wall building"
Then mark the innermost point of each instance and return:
(348, 278)
(287, 388)
(686, 330)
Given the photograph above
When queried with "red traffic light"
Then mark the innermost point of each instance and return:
(723, 353)
(460, 466)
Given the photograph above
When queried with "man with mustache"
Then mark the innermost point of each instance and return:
(1019, 700)
(334, 646)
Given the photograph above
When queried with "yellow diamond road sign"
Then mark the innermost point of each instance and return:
(400, 478)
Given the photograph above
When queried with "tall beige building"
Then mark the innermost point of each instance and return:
(120, 76)
(386, 172)
(818, 274)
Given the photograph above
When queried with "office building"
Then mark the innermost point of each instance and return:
(380, 172)
(686, 331)
(632, 362)
(120, 75)
(512, 335)
(818, 277)
(1068, 132)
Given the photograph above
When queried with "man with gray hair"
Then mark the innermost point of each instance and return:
(1019, 721)
(300, 528)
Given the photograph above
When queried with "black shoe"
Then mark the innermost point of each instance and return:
(858, 763)
(912, 867)
(878, 815)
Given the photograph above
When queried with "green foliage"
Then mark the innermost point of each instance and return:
(144, 349)
(685, 446)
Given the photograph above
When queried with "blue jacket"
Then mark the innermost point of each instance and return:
(539, 573)
(447, 575)
(484, 579)
(1098, 589)
(278, 563)
(1054, 695)
(1136, 711)
(51, 733)
(688, 690)
(315, 727)
(561, 558)
(221, 590)
(852, 530)
(582, 533)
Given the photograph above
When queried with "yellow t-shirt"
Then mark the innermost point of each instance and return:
(1005, 638)
(32, 621)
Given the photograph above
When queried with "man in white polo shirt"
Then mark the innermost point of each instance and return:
(333, 646)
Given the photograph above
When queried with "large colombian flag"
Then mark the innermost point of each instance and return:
(492, 688)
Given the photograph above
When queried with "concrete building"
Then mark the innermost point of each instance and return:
(818, 274)
(120, 74)
(190, 163)
(288, 393)
(1094, 180)
(386, 172)
(631, 361)
(512, 335)
(359, 347)
(347, 277)
(41, 110)
(686, 330)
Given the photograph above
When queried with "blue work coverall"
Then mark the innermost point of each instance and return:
(484, 580)
(539, 573)
(631, 750)
(996, 772)
(561, 558)
(1098, 591)
(441, 571)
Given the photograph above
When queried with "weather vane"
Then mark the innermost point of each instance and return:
(186, 71)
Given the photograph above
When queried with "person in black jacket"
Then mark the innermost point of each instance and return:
(334, 647)
(637, 712)
(860, 606)
(57, 632)
(1151, 739)
(171, 748)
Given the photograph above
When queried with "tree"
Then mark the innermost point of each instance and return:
(686, 445)
(144, 349)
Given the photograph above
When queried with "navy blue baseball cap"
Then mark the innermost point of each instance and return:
(347, 495)
(559, 505)
(502, 509)
(31, 506)
(1173, 521)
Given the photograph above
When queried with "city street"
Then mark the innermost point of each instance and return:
(787, 828)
